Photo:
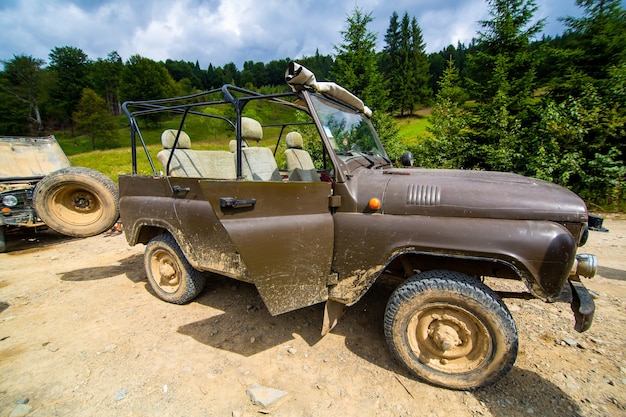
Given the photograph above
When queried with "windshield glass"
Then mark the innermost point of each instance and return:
(350, 133)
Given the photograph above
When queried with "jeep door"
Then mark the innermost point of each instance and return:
(283, 232)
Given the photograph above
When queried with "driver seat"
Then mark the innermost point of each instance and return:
(300, 166)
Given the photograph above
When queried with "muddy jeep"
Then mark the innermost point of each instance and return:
(39, 187)
(306, 205)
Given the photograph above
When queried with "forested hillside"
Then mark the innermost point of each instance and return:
(511, 100)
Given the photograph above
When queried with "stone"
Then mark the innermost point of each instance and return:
(570, 342)
(21, 410)
(121, 394)
(264, 396)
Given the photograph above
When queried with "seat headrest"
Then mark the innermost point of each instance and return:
(169, 136)
(294, 140)
(251, 129)
(232, 145)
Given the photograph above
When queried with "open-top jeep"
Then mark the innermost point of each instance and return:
(323, 224)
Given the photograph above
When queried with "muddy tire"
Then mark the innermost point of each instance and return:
(3, 240)
(450, 330)
(170, 275)
(77, 201)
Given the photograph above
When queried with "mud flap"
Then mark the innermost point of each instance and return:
(333, 311)
(582, 305)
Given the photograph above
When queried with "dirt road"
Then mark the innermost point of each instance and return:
(82, 335)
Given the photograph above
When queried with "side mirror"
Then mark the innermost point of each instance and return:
(407, 159)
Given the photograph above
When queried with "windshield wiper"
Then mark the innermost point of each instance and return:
(356, 153)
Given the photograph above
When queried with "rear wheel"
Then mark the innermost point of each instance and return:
(451, 330)
(77, 201)
(170, 275)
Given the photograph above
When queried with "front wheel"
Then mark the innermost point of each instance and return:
(450, 330)
(170, 275)
(3, 241)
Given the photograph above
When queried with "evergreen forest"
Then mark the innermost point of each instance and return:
(511, 100)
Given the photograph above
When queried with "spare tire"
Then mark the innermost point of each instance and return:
(77, 201)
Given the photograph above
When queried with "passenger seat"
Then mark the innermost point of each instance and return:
(185, 162)
(258, 163)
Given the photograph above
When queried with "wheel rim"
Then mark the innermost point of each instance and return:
(165, 271)
(449, 338)
(76, 205)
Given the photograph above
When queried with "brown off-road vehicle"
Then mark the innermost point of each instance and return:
(40, 188)
(324, 214)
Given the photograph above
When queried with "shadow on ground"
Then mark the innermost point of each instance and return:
(246, 328)
(612, 273)
(523, 392)
(131, 266)
(23, 240)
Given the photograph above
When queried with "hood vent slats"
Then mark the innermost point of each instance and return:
(423, 195)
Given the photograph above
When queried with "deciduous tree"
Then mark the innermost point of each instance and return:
(145, 79)
(23, 82)
(92, 116)
(69, 66)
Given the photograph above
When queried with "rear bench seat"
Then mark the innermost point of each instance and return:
(194, 163)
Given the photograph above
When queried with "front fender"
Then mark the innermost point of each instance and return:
(541, 253)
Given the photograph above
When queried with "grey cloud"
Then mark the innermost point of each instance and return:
(222, 31)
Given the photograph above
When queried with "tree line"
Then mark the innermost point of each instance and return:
(549, 107)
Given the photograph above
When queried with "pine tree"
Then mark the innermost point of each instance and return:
(599, 36)
(405, 64)
(356, 62)
(448, 147)
(356, 70)
(503, 84)
(390, 62)
(422, 93)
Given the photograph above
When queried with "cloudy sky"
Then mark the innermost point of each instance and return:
(223, 31)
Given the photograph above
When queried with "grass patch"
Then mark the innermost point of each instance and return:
(114, 162)
(412, 129)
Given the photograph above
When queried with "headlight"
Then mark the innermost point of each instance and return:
(10, 200)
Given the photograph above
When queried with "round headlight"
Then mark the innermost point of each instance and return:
(10, 200)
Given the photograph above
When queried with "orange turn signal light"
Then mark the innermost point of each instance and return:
(374, 204)
(6, 210)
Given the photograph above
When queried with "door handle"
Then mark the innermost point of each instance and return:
(178, 190)
(229, 202)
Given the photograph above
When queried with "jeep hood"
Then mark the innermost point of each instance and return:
(478, 194)
(26, 158)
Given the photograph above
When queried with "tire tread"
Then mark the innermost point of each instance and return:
(451, 282)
